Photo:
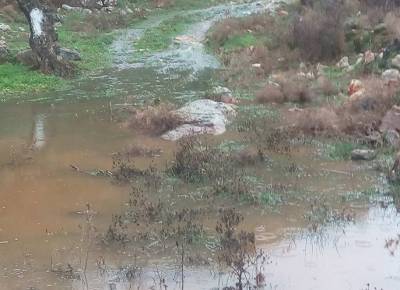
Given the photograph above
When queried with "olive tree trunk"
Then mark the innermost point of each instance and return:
(43, 38)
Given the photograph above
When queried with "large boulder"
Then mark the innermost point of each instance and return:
(68, 54)
(202, 117)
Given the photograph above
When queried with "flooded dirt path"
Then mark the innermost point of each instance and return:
(42, 200)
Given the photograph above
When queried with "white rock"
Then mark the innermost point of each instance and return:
(202, 117)
(343, 63)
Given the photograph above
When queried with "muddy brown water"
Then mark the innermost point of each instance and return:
(42, 199)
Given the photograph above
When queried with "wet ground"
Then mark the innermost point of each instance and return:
(42, 199)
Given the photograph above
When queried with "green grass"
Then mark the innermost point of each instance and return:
(240, 41)
(16, 79)
(94, 48)
(161, 37)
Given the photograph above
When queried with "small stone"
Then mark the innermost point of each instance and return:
(363, 154)
(343, 63)
(4, 27)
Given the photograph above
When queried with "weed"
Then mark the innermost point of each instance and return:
(196, 161)
(267, 139)
(125, 170)
(237, 250)
(321, 216)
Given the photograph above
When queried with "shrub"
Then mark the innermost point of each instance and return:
(270, 94)
(318, 121)
(319, 36)
(155, 119)
(292, 88)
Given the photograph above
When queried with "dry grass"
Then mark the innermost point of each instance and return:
(155, 119)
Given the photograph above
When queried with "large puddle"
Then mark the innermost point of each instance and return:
(42, 199)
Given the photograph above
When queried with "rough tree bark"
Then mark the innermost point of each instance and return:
(43, 38)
